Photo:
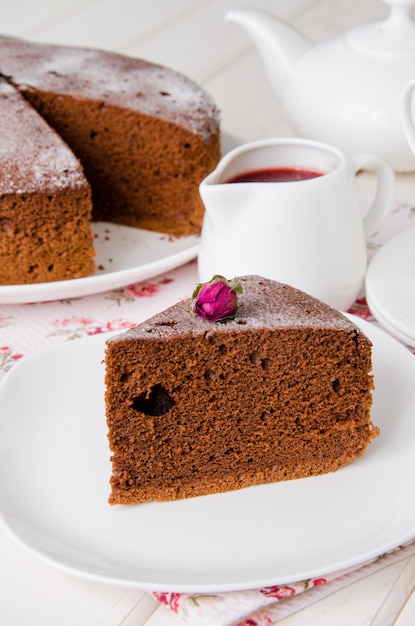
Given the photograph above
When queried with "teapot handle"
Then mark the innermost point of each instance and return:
(406, 114)
(385, 190)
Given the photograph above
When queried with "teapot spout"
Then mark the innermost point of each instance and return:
(279, 44)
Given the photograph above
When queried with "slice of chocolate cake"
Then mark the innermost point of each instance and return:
(281, 391)
(45, 200)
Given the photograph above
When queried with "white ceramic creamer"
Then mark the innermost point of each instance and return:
(307, 233)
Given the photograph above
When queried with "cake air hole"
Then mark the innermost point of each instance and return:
(254, 357)
(209, 375)
(336, 385)
(157, 402)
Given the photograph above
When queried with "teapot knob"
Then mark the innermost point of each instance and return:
(403, 3)
(400, 9)
(393, 37)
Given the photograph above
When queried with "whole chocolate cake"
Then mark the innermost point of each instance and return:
(281, 391)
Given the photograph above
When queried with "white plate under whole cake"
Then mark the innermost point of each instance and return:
(124, 255)
(54, 471)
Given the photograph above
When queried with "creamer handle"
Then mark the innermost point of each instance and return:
(406, 114)
(385, 190)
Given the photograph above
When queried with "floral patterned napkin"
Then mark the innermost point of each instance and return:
(29, 328)
(267, 606)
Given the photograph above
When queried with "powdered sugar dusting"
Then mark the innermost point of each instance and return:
(115, 79)
(264, 304)
(33, 158)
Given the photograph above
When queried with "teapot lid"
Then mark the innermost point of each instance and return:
(391, 37)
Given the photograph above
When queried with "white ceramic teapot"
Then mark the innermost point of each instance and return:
(345, 91)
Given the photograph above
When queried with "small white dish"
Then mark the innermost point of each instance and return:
(387, 325)
(390, 286)
(54, 472)
(124, 255)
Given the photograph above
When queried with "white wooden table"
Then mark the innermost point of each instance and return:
(193, 37)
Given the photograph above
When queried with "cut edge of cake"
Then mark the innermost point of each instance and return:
(45, 200)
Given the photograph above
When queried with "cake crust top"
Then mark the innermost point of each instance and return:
(264, 304)
(112, 78)
(32, 156)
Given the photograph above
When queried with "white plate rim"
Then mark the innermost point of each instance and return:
(174, 253)
(384, 280)
(207, 581)
(387, 324)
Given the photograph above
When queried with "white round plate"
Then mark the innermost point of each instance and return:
(390, 285)
(124, 255)
(54, 471)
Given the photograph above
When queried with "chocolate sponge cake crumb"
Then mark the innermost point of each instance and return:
(283, 391)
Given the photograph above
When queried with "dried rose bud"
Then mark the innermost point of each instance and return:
(216, 301)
